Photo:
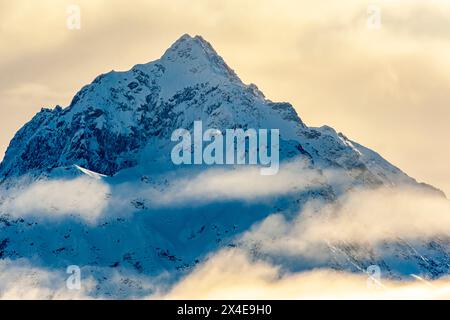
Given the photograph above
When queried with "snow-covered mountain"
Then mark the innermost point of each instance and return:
(122, 117)
(116, 133)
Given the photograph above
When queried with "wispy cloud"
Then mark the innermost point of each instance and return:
(239, 183)
(231, 274)
(90, 198)
(82, 197)
(364, 217)
(20, 279)
(228, 274)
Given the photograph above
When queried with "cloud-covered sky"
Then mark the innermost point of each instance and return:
(386, 88)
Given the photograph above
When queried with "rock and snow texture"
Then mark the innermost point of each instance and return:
(110, 150)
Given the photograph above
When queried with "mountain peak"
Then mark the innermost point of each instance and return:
(186, 41)
(198, 54)
(124, 119)
(188, 38)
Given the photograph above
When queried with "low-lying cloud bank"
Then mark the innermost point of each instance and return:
(91, 198)
(231, 275)
(21, 280)
(360, 217)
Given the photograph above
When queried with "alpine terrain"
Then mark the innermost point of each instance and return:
(93, 184)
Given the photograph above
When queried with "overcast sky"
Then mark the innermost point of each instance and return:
(385, 85)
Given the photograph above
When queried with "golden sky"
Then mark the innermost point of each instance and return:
(384, 85)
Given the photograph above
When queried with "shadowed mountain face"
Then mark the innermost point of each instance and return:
(116, 133)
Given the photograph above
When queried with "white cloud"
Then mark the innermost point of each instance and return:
(82, 197)
(228, 274)
(231, 274)
(367, 218)
(19, 279)
(92, 198)
(240, 183)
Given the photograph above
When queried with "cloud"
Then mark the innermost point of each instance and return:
(361, 217)
(364, 218)
(237, 183)
(82, 197)
(231, 274)
(93, 198)
(19, 279)
(228, 274)
(24, 279)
